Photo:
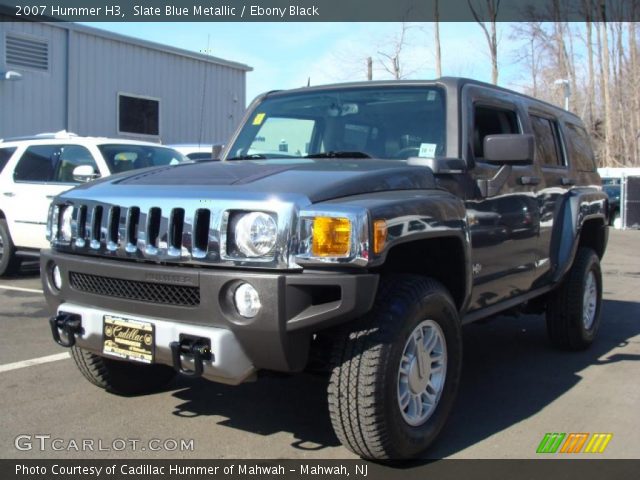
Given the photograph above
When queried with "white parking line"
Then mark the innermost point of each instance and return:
(34, 361)
(21, 289)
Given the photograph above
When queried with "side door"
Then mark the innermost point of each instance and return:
(504, 219)
(42, 172)
(556, 182)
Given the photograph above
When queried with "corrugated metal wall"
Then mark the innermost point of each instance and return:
(37, 102)
(101, 67)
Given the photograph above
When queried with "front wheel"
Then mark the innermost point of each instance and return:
(117, 376)
(395, 375)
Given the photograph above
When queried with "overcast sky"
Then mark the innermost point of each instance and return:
(285, 55)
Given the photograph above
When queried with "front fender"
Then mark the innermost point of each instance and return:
(415, 216)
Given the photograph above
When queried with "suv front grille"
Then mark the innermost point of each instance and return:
(179, 295)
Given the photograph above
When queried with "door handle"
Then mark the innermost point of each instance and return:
(567, 181)
(529, 180)
(50, 197)
(8, 194)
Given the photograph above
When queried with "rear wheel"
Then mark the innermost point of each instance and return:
(9, 262)
(121, 377)
(573, 310)
(395, 375)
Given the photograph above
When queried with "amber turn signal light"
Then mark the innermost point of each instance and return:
(331, 237)
(379, 235)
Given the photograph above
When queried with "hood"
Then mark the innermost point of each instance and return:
(317, 179)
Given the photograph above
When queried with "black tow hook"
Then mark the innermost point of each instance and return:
(70, 324)
(198, 348)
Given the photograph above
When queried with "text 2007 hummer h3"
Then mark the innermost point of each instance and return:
(360, 225)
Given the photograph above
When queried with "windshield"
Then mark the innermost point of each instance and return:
(378, 122)
(125, 157)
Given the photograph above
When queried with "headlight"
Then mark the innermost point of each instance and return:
(64, 234)
(256, 234)
(49, 232)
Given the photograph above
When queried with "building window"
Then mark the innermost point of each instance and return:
(138, 115)
(26, 52)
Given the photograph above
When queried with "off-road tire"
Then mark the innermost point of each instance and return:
(362, 393)
(124, 378)
(9, 261)
(564, 314)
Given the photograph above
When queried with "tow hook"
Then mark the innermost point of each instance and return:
(197, 348)
(68, 323)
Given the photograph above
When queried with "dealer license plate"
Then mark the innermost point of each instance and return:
(128, 339)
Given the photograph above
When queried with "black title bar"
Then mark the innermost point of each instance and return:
(319, 10)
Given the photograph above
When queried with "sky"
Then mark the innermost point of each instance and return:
(287, 55)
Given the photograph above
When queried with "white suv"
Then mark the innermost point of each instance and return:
(35, 169)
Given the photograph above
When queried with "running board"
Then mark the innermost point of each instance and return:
(505, 305)
(28, 253)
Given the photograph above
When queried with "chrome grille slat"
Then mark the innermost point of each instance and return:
(113, 227)
(154, 217)
(96, 227)
(174, 235)
(81, 226)
(200, 233)
(131, 229)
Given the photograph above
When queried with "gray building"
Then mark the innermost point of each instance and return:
(64, 76)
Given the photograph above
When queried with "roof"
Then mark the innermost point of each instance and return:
(71, 138)
(449, 82)
(97, 32)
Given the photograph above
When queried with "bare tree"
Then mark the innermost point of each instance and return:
(532, 52)
(436, 35)
(587, 7)
(492, 7)
(606, 87)
(391, 59)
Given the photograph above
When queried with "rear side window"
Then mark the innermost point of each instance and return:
(37, 164)
(548, 150)
(52, 163)
(491, 121)
(5, 155)
(580, 150)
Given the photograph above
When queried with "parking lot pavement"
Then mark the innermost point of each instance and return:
(514, 389)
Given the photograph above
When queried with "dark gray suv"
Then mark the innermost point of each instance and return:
(358, 225)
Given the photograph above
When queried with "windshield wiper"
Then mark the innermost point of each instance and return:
(253, 156)
(338, 154)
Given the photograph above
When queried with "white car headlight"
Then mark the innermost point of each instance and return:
(64, 234)
(256, 234)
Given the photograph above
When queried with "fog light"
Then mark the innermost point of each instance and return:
(56, 276)
(247, 300)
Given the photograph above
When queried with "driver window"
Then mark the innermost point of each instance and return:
(491, 121)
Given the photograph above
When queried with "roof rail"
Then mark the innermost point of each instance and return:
(62, 134)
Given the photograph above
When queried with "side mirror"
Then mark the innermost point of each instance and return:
(509, 149)
(84, 173)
